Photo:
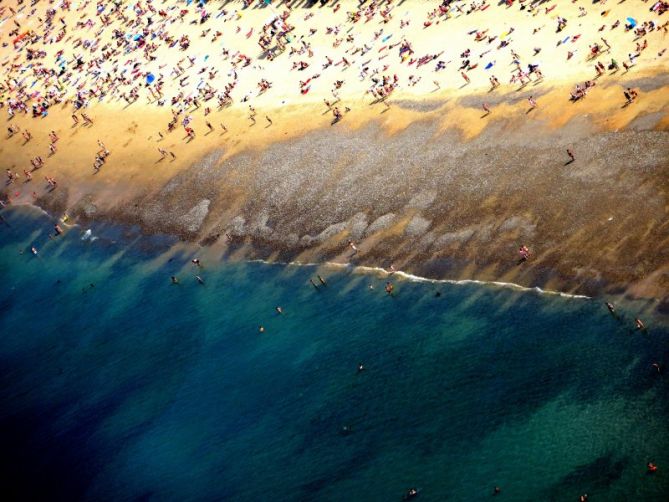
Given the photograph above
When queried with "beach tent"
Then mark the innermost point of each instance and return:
(631, 21)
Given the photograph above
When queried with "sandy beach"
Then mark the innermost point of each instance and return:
(416, 173)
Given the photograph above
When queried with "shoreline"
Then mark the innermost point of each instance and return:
(653, 306)
(356, 269)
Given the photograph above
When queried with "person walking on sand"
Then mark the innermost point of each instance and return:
(252, 115)
(352, 245)
(532, 102)
(486, 108)
(571, 155)
(465, 77)
(269, 120)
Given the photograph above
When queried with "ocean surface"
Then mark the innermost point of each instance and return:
(117, 385)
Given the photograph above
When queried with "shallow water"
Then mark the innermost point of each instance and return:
(117, 385)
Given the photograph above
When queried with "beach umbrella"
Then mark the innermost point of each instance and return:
(631, 21)
(150, 78)
(489, 65)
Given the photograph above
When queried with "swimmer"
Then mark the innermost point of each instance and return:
(361, 367)
(195, 261)
(389, 288)
(261, 329)
(437, 294)
(497, 490)
(391, 269)
(639, 324)
(34, 250)
(199, 279)
(583, 498)
(657, 367)
(58, 229)
(651, 467)
(411, 493)
(279, 310)
(610, 307)
(313, 284)
(174, 280)
(322, 280)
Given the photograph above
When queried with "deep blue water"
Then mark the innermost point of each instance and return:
(117, 385)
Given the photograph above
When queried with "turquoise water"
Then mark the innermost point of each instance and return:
(134, 388)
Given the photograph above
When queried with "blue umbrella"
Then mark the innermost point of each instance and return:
(632, 21)
(150, 78)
